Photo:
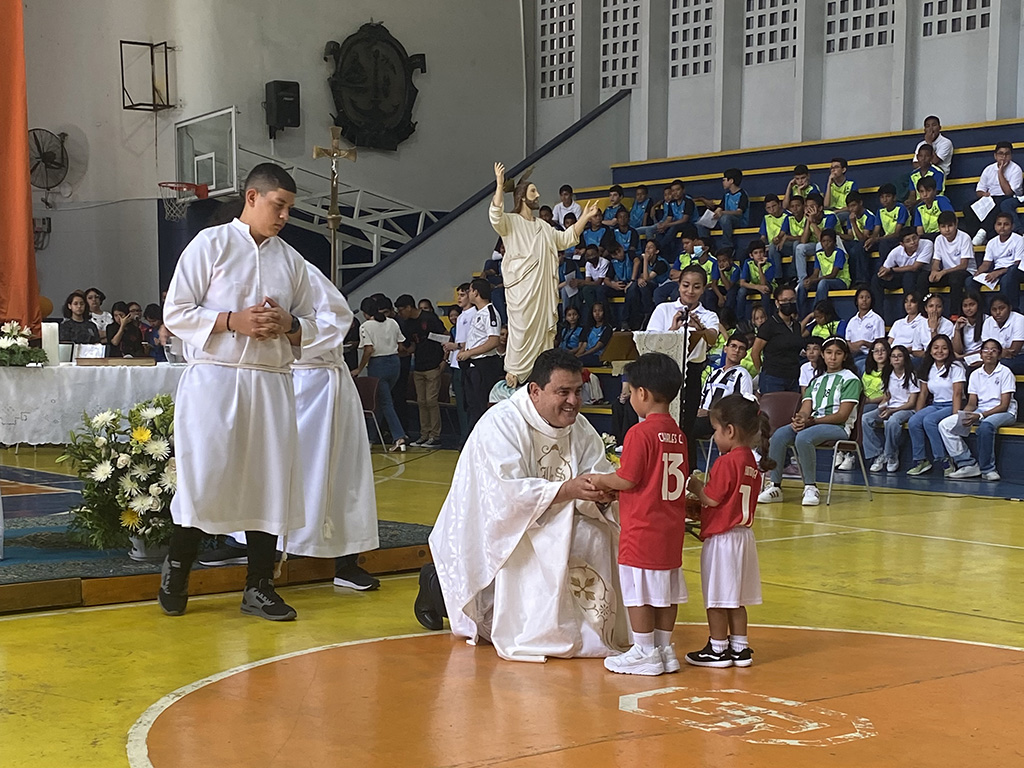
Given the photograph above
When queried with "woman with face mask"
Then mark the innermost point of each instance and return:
(776, 352)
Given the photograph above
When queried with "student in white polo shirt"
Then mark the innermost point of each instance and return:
(903, 265)
(990, 405)
(1008, 327)
(907, 330)
(864, 327)
(480, 356)
(703, 328)
(453, 348)
(1001, 265)
(1001, 181)
(953, 262)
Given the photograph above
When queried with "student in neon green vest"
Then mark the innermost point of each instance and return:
(893, 216)
(799, 186)
(837, 188)
(862, 232)
(929, 207)
(925, 158)
(772, 233)
(831, 271)
(793, 228)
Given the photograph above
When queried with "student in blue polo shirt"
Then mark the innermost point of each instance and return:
(929, 206)
(733, 210)
(757, 276)
(799, 186)
(893, 216)
(638, 214)
(793, 229)
(614, 205)
(816, 221)
(773, 234)
(862, 232)
(831, 272)
(624, 271)
(679, 211)
(594, 233)
(624, 235)
(837, 188)
(925, 156)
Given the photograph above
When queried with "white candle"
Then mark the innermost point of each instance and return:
(51, 343)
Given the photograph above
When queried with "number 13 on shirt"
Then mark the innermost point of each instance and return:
(673, 481)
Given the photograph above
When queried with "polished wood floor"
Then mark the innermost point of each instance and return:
(358, 682)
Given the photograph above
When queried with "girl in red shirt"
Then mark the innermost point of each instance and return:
(729, 574)
(651, 481)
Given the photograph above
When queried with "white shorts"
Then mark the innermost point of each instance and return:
(660, 589)
(729, 574)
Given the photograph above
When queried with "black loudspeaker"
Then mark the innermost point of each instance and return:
(282, 105)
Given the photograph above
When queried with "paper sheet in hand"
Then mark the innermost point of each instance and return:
(961, 428)
(440, 338)
(980, 280)
(982, 207)
(708, 220)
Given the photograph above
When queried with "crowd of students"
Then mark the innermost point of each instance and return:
(126, 331)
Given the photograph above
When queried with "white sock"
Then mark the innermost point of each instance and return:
(644, 641)
(719, 645)
(662, 637)
(738, 642)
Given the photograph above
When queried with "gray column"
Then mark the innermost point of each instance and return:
(728, 107)
(588, 56)
(810, 69)
(530, 76)
(906, 31)
(1003, 59)
(649, 102)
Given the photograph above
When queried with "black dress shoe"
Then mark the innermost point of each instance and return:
(429, 606)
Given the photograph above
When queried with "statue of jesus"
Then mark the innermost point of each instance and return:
(529, 271)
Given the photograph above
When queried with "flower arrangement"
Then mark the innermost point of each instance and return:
(609, 448)
(128, 472)
(14, 348)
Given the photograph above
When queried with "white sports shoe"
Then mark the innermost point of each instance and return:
(636, 661)
(892, 465)
(840, 458)
(770, 494)
(668, 658)
(993, 476)
(966, 472)
(877, 465)
(811, 497)
(848, 463)
(980, 237)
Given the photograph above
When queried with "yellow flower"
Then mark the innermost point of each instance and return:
(131, 519)
(141, 434)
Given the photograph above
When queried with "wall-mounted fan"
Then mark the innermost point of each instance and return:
(48, 160)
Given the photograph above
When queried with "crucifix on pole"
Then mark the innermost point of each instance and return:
(335, 153)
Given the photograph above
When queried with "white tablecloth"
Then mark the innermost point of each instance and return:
(41, 406)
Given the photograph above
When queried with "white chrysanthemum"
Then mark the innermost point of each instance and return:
(155, 490)
(123, 460)
(21, 341)
(169, 478)
(142, 503)
(142, 470)
(159, 448)
(26, 332)
(10, 328)
(102, 472)
(104, 419)
(129, 486)
(150, 413)
(6, 342)
(99, 442)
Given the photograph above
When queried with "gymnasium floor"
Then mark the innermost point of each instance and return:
(357, 681)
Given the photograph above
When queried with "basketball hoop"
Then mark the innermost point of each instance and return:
(178, 195)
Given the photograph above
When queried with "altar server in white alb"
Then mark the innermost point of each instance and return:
(341, 506)
(525, 555)
(240, 301)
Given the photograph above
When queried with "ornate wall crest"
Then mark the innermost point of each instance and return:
(373, 88)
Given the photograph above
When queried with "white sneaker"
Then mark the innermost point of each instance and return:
(993, 476)
(966, 472)
(770, 494)
(840, 458)
(668, 658)
(980, 237)
(892, 465)
(878, 464)
(811, 496)
(636, 661)
(848, 463)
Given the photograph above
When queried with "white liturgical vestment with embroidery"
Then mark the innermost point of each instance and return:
(533, 578)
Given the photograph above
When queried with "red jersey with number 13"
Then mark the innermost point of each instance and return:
(653, 512)
(734, 483)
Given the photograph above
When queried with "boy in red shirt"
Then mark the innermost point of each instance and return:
(651, 481)
(729, 573)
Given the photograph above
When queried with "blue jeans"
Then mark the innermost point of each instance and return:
(667, 291)
(986, 436)
(861, 263)
(727, 222)
(873, 429)
(387, 368)
(775, 255)
(805, 442)
(768, 383)
(801, 253)
(925, 423)
(825, 285)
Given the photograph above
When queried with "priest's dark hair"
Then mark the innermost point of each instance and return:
(552, 360)
(657, 373)
(266, 177)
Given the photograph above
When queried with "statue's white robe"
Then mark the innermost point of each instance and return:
(530, 274)
(236, 441)
(533, 578)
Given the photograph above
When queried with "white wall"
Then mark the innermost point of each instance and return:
(958, 94)
(769, 104)
(849, 108)
(689, 125)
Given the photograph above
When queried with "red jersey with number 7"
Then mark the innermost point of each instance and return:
(734, 483)
(653, 512)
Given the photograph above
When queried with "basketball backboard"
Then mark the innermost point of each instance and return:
(205, 151)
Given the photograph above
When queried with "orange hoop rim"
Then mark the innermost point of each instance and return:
(200, 191)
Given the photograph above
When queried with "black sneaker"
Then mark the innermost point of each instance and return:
(351, 576)
(173, 594)
(262, 600)
(707, 657)
(429, 607)
(225, 555)
(742, 658)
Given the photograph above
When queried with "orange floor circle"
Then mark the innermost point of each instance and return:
(811, 698)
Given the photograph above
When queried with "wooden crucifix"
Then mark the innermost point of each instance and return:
(335, 153)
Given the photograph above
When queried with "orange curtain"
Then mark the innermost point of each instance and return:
(19, 285)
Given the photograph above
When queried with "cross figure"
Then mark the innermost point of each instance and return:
(335, 153)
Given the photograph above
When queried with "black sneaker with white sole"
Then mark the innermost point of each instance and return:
(351, 576)
(225, 555)
(262, 600)
(173, 594)
(742, 658)
(708, 657)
